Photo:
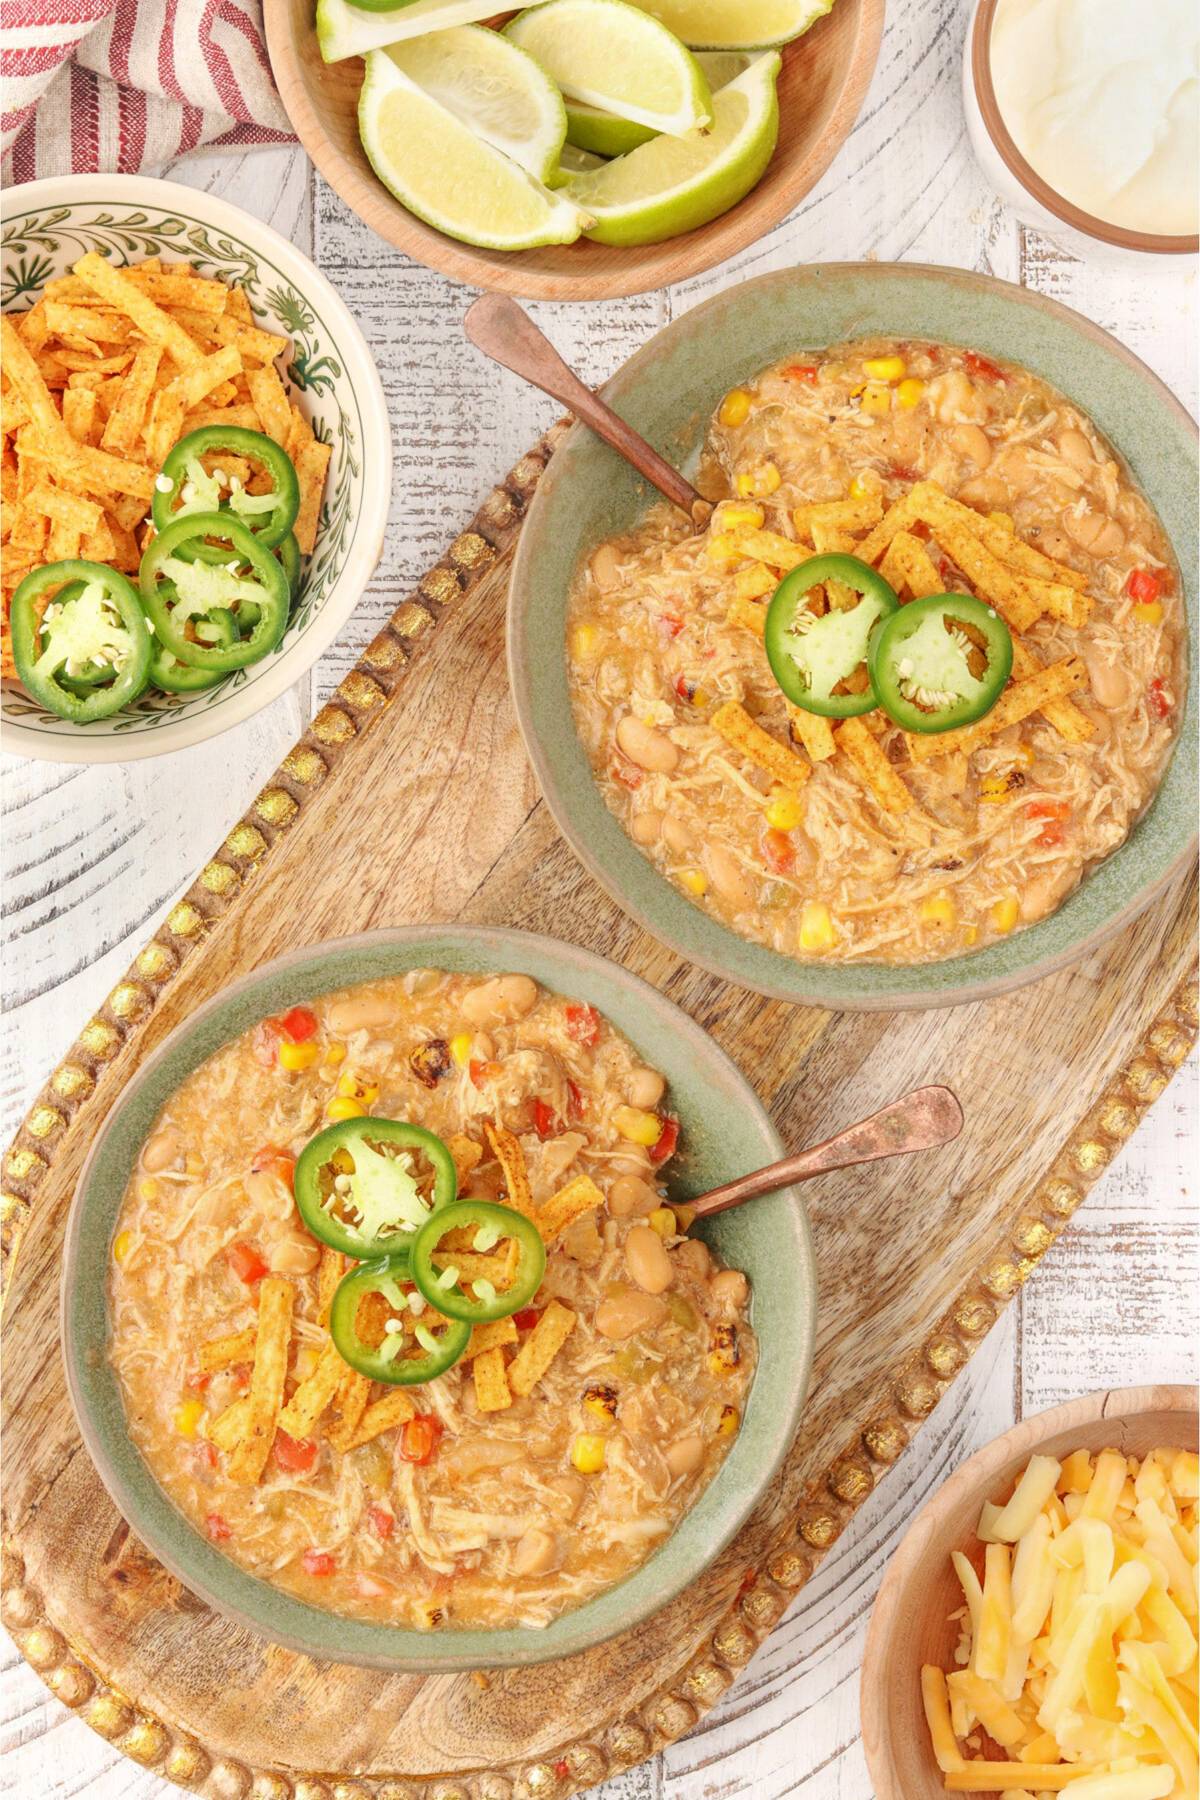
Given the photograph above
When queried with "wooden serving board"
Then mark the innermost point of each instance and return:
(409, 798)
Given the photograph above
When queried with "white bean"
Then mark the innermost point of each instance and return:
(725, 873)
(649, 749)
(293, 1255)
(161, 1151)
(536, 1553)
(1093, 532)
(500, 1000)
(625, 1311)
(973, 442)
(676, 835)
(729, 1289)
(605, 568)
(646, 1088)
(646, 827)
(1109, 682)
(1075, 449)
(693, 1256)
(647, 1261)
(630, 1197)
(684, 1456)
(360, 1012)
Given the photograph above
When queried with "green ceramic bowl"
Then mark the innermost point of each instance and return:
(725, 1133)
(668, 391)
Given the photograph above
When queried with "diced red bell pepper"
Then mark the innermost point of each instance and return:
(779, 851)
(197, 1381)
(978, 365)
(527, 1318)
(670, 625)
(297, 1455)
(419, 1438)
(217, 1528)
(1158, 698)
(481, 1071)
(296, 1025)
(318, 1562)
(627, 774)
(545, 1120)
(271, 1160)
(684, 688)
(800, 372)
(1047, 809)
(1054, 834)
(246, 1263)
(575, 1107)
(205, 1455)
(381, 1521)
(562, 1768)
(583, 1024)
(902, 472)
(668, 1137)
(1144, 586)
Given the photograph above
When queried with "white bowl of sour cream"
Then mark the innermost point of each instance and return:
(1085, 116)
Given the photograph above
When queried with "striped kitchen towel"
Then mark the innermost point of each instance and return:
(129, 84)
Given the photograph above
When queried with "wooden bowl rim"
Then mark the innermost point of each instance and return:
(1118, 1404)
(516, 272)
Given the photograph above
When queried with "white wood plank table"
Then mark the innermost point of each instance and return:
(93, 858)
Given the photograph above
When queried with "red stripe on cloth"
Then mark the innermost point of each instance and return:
(234, 17)
(131, 125)
(191, 128)
(24, 153)
(166, 58)
(252, 136)
(25, 15)
(220, 67)
(124, 20)
(31, 59)
(85, 121)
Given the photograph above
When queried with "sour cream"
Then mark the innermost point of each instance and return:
(1102, 99)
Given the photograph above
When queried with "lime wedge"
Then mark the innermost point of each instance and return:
(344, 30)
(675, 184)
(497, 92)
(744, 25)
(576, 162)
(617, 58)
(437, 167)
(605, 134)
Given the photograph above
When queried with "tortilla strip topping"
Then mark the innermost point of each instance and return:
(275, 1299)
(736, 726)
(540, 1348)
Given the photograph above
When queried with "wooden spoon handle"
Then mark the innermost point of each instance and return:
(505, 332)
(921, 1120)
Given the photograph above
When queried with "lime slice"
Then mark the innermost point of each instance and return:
(675, 184)
(497, 92)
(605, 134)
(344, 30)
(617, 58)
(441, 171)
(744, 25)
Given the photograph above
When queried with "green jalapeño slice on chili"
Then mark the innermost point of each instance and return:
(492, 1270)
(819, 657)
(85, 652)
(177, 594)
(386, 1330)
(187, 486)
(366, 1186)
(941, 662)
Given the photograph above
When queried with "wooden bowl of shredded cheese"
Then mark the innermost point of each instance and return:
(1035, 1633)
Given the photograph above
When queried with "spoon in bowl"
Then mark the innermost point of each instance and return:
(505, 332)
(920, 1120)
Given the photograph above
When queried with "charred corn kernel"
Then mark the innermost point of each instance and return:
(1149, 612)
(995, 788)
(587, 1453)
(735, 407)
(785, 812)
(356, 1087)
(699, 696)
(122, 1245)
(876, 398)
(460, 1048)
(428, 1614)
(1005, 913)
(585, 641)
(753, 483)
(937, 910)
(186, 1418)
(735, 517)
(816, 926)
(662, 1220)
(636, 1126)
(147, 1190)
(193, 1165)
(885, 368)
(722, 546)
(297, 1056)
(908, 393)
(694, 880)
(335, 1055)
(344, 1108)
(601, 1401)
(725, 1353)
(729, 1421)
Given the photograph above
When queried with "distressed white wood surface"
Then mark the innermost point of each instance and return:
(92, 859)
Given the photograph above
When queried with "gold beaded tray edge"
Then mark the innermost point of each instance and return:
(829, 1502)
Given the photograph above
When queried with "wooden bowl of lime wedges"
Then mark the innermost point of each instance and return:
(581, 149)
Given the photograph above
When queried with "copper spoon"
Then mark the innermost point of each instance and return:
(505, 332)
(922, 1120)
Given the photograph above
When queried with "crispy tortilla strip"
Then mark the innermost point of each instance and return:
(467, 1154)
(173, 287)
(1067, 718)
(79, 413)
(383, 1415)
(908, 564)
(311, 466)
(863, 750)
(813, 731)
(166, 424)
(226, 1430)
(1017, 702)
(254, 345)
(97, 324)
(540, 1348)
(989, 577)
(492, 1392)
(22, 371)
(770, 548)
(27, 526)
(1059, 600)
(270, 398)
(578, 1197)
(32, 325)
(489, 1337)
(65, 509)
(128, 416)
(313, 1394)
(352, 1395)
(226, 1352)
(751, 615)
(899, 516)
(826, 540)
(206, 377)
(736, 726)
(245, 417)
(275, 1299)
(154, 324)
(753, 583)
(838, 515)
(1002, 540)
(499, 1267)
(63, 543)
(48, 438)
(329, 1272)
(511, 1157)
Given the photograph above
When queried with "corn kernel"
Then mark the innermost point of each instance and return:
(694, 880)
(662, 1220)
(863, 486)
(876, 398)
(700, 696)
(636, 1126)
(1005, 913)
(335, 1055)
(122, 1245)
(193, 1165)
(885, 368)
(735, 407)
(722, 546)
(994, 789)
(784, 812)
(344, 1109)
(754, 483)
(728, 1422)
(601, 1401)
(460, 1048)
(147, 1190)
(186, 1418)
(732, 517)
(971, 935)
(909, 392)
(355, 1087)
(937, 910)
(585, 641)
(587, 1453)
(297, 1056)
(1149, 612)
(816, 926)
(726, 1352)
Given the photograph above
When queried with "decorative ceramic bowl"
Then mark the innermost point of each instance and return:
(668, 391)
(48, 226)
(822, 85)
(911, 1622)
(725, 1132)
